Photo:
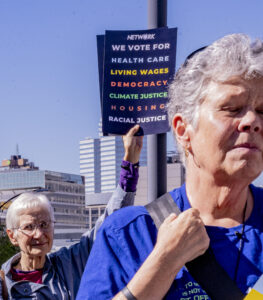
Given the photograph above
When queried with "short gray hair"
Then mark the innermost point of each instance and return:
(26, 201)
(232, 55)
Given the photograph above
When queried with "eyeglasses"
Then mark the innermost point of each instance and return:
(30, 229)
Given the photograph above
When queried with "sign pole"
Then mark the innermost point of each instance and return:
(156, 143)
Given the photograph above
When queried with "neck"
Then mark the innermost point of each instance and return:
(30, 263)
(220, 204)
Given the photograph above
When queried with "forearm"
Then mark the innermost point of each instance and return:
(153, 279)
(180, 239)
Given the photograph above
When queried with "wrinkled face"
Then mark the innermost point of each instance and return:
(36, 242)
(228, 138)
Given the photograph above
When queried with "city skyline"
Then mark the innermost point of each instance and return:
(49, 88)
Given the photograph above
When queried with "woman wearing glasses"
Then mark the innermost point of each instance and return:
(35, 272)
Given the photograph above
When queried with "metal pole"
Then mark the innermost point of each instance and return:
(156, 144)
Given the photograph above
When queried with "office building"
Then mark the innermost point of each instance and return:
(100, 163)
(65, 191)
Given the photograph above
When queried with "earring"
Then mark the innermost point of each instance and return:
(186, 152)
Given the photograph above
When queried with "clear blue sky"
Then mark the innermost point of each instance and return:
(49, 92)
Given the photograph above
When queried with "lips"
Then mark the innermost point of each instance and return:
(38, 244)
(250, 146)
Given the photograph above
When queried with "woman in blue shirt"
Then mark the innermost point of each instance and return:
(216, 114)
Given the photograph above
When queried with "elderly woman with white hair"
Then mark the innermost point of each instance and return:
(36, 273)
(216, 114)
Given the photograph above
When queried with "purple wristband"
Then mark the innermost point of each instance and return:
(129, 176)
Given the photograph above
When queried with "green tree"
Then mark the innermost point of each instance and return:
(6, 248)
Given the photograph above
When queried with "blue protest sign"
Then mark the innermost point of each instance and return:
(137, 67)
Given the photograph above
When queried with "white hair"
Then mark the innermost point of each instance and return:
(232, 55)
(26, 201)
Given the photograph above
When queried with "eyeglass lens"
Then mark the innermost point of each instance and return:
(31, 228)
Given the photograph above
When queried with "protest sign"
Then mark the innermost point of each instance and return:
(135, 68)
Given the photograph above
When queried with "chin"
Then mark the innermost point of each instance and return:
(249, 170)
(40, 250)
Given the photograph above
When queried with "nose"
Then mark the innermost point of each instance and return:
(250, 122)
(37, 232)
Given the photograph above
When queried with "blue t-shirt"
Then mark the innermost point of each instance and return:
(129, 235)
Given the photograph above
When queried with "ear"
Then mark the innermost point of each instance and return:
(12, 237)
(181, 130)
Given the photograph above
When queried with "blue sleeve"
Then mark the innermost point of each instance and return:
(117, 254)
(70, 263)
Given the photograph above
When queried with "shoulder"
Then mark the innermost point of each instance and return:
(75, 252)
(255, 218)
(126, 217)
(7, 265)
(138, 215)
(180, 198)
(123, 242)
(128, 228)
(256, 191)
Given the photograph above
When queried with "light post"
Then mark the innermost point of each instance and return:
(156, 143)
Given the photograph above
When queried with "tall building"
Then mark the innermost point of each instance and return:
(89, 162)
(100, 162)
(65, 191)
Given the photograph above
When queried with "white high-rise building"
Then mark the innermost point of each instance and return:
(89, 162)
(100, 162)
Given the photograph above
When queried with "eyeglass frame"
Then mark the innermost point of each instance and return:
(36, 226)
